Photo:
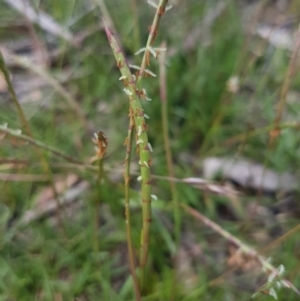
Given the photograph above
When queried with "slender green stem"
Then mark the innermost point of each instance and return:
(137, 112)
(167, 146)
(131, 256)
(135, 92)
(100, 170)
(136, 28)
(161, 8)
(108, 19)
(97, 204)
(169, 157)
(100, 142)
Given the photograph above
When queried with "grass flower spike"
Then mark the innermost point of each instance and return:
(135, 92)
(137, 112)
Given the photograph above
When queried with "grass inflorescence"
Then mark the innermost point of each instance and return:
(136, 93)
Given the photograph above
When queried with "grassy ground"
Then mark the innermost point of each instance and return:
(79, 251)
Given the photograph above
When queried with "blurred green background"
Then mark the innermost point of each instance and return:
(225, 76)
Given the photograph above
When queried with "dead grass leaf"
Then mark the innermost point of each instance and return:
(60, 187)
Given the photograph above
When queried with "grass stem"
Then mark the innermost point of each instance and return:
(168, 151)
(161, 8)
(136, 28)
(35, 142)
(97, 204)
(131, 256)
(167, 145)
(285, 88)
(137, 113)
(134, 91)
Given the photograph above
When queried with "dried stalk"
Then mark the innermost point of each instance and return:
(24, 177)
(28, 130)
(237, 242)
(285, 88)
(42, 72)
(11, 90)
(17, 134)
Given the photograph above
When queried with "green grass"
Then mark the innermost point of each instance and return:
(51, 259)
